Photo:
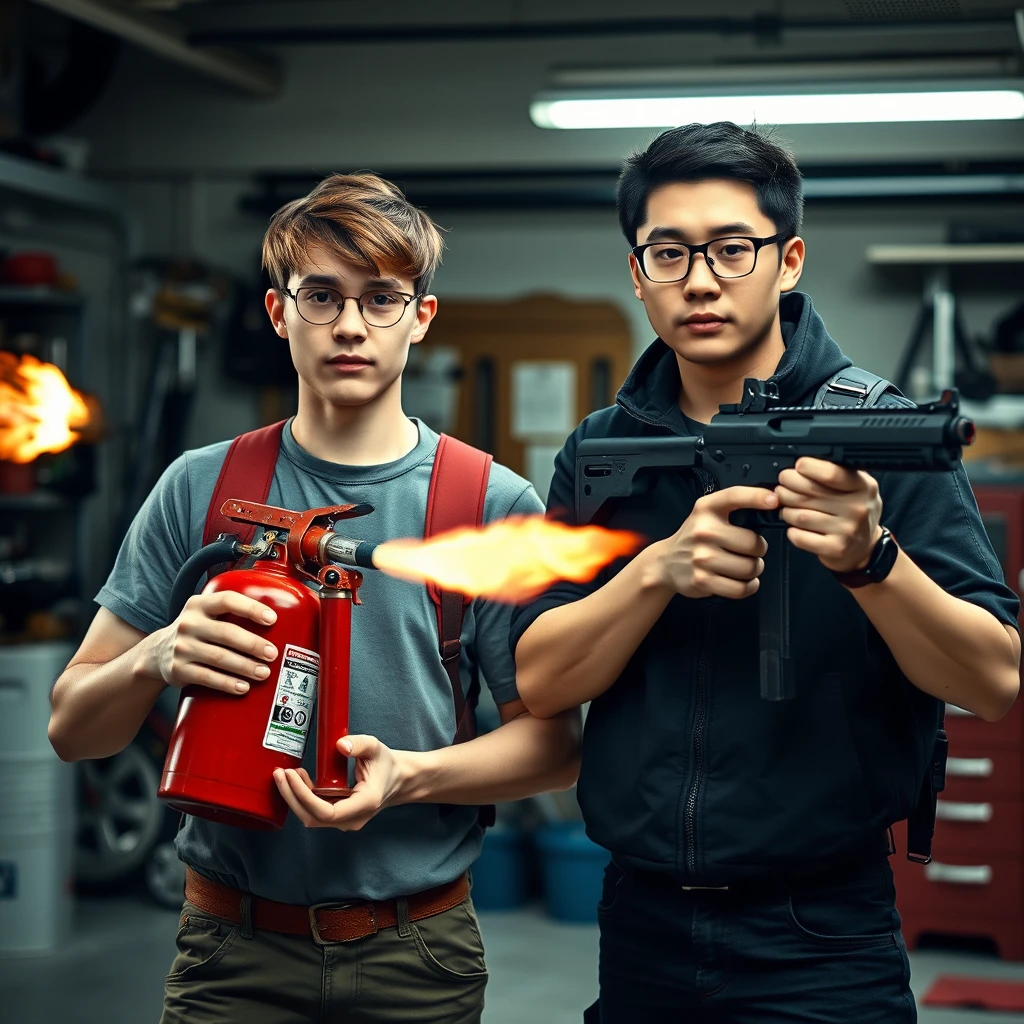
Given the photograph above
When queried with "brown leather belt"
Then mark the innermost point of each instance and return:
(324, 922)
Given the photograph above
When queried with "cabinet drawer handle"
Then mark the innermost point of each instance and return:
(969, 767)
(952, 709)
(979, 874)
(947, 810)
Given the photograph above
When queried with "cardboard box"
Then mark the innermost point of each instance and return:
(1008, 370)
(1005, 446)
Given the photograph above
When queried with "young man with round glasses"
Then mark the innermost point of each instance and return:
(749, 881)
(355, 911)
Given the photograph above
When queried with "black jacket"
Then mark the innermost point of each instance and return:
(685, 769)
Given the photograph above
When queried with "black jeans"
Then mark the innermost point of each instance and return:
(827, 950)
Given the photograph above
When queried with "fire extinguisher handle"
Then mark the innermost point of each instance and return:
(225, 549)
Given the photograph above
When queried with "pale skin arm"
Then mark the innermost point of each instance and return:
(574, 653)
(111, 684)
(945, 646)
(525, 755)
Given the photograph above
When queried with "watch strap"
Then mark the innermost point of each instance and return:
(883, 557)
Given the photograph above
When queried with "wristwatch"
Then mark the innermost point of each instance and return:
(883, 557)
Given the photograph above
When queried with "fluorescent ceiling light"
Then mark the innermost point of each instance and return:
(823, 108)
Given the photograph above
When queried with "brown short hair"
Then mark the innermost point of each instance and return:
(361, 218)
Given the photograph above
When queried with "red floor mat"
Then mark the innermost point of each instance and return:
(976, 993)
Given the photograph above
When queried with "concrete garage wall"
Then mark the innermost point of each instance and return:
(869, 310)
(182, 150)
(465, 104)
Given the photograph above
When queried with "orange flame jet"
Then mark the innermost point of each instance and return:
(512, 560)
(39, 410)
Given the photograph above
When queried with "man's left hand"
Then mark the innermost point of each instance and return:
(379, 776)
(833, 512)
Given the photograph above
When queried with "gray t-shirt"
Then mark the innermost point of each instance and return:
(400, 691)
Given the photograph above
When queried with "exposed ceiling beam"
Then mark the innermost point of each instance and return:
(168, 39)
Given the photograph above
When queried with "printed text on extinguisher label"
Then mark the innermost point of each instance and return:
(293, 701)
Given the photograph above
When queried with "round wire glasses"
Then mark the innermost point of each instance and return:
(321, 306)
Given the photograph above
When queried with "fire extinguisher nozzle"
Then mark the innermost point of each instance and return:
(364, 555)
(351, 552)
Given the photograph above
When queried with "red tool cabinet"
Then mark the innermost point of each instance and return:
(975, 883)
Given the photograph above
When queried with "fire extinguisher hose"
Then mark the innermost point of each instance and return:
(189, 575)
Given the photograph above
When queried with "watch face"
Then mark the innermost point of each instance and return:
(884, 559)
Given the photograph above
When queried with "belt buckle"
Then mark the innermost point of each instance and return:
(704, 888)
(318, 939)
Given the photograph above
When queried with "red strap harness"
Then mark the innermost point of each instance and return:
(458, 487)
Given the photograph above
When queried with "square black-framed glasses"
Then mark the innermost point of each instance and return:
(756, 245)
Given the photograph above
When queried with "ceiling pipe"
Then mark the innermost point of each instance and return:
(168, 39)
(760, 27)
(762, 73)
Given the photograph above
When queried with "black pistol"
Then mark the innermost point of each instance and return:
(751, 443)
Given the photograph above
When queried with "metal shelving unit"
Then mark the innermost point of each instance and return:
(78, 220)
(47, 183)
(38, 501)
(18, 295)
(1000, 411)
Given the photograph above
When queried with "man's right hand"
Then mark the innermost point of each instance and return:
(199, 648)
(708, 556)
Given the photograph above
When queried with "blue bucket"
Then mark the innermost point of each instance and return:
(573, 869)
(499, 874)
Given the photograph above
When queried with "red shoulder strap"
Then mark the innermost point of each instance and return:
(246, 473)
(458, 487)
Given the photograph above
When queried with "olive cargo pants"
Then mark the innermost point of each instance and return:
(419, 972)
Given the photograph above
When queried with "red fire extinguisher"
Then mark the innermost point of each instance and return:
(224, 748)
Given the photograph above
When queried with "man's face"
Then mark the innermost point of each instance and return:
(703, 318)
(348, 362)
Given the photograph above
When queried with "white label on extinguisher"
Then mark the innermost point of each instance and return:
(293, 701)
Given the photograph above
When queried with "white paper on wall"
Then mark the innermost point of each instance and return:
(543, 400)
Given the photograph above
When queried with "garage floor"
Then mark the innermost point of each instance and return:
(542, 972)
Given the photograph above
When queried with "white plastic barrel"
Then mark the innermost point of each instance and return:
(37, 819)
